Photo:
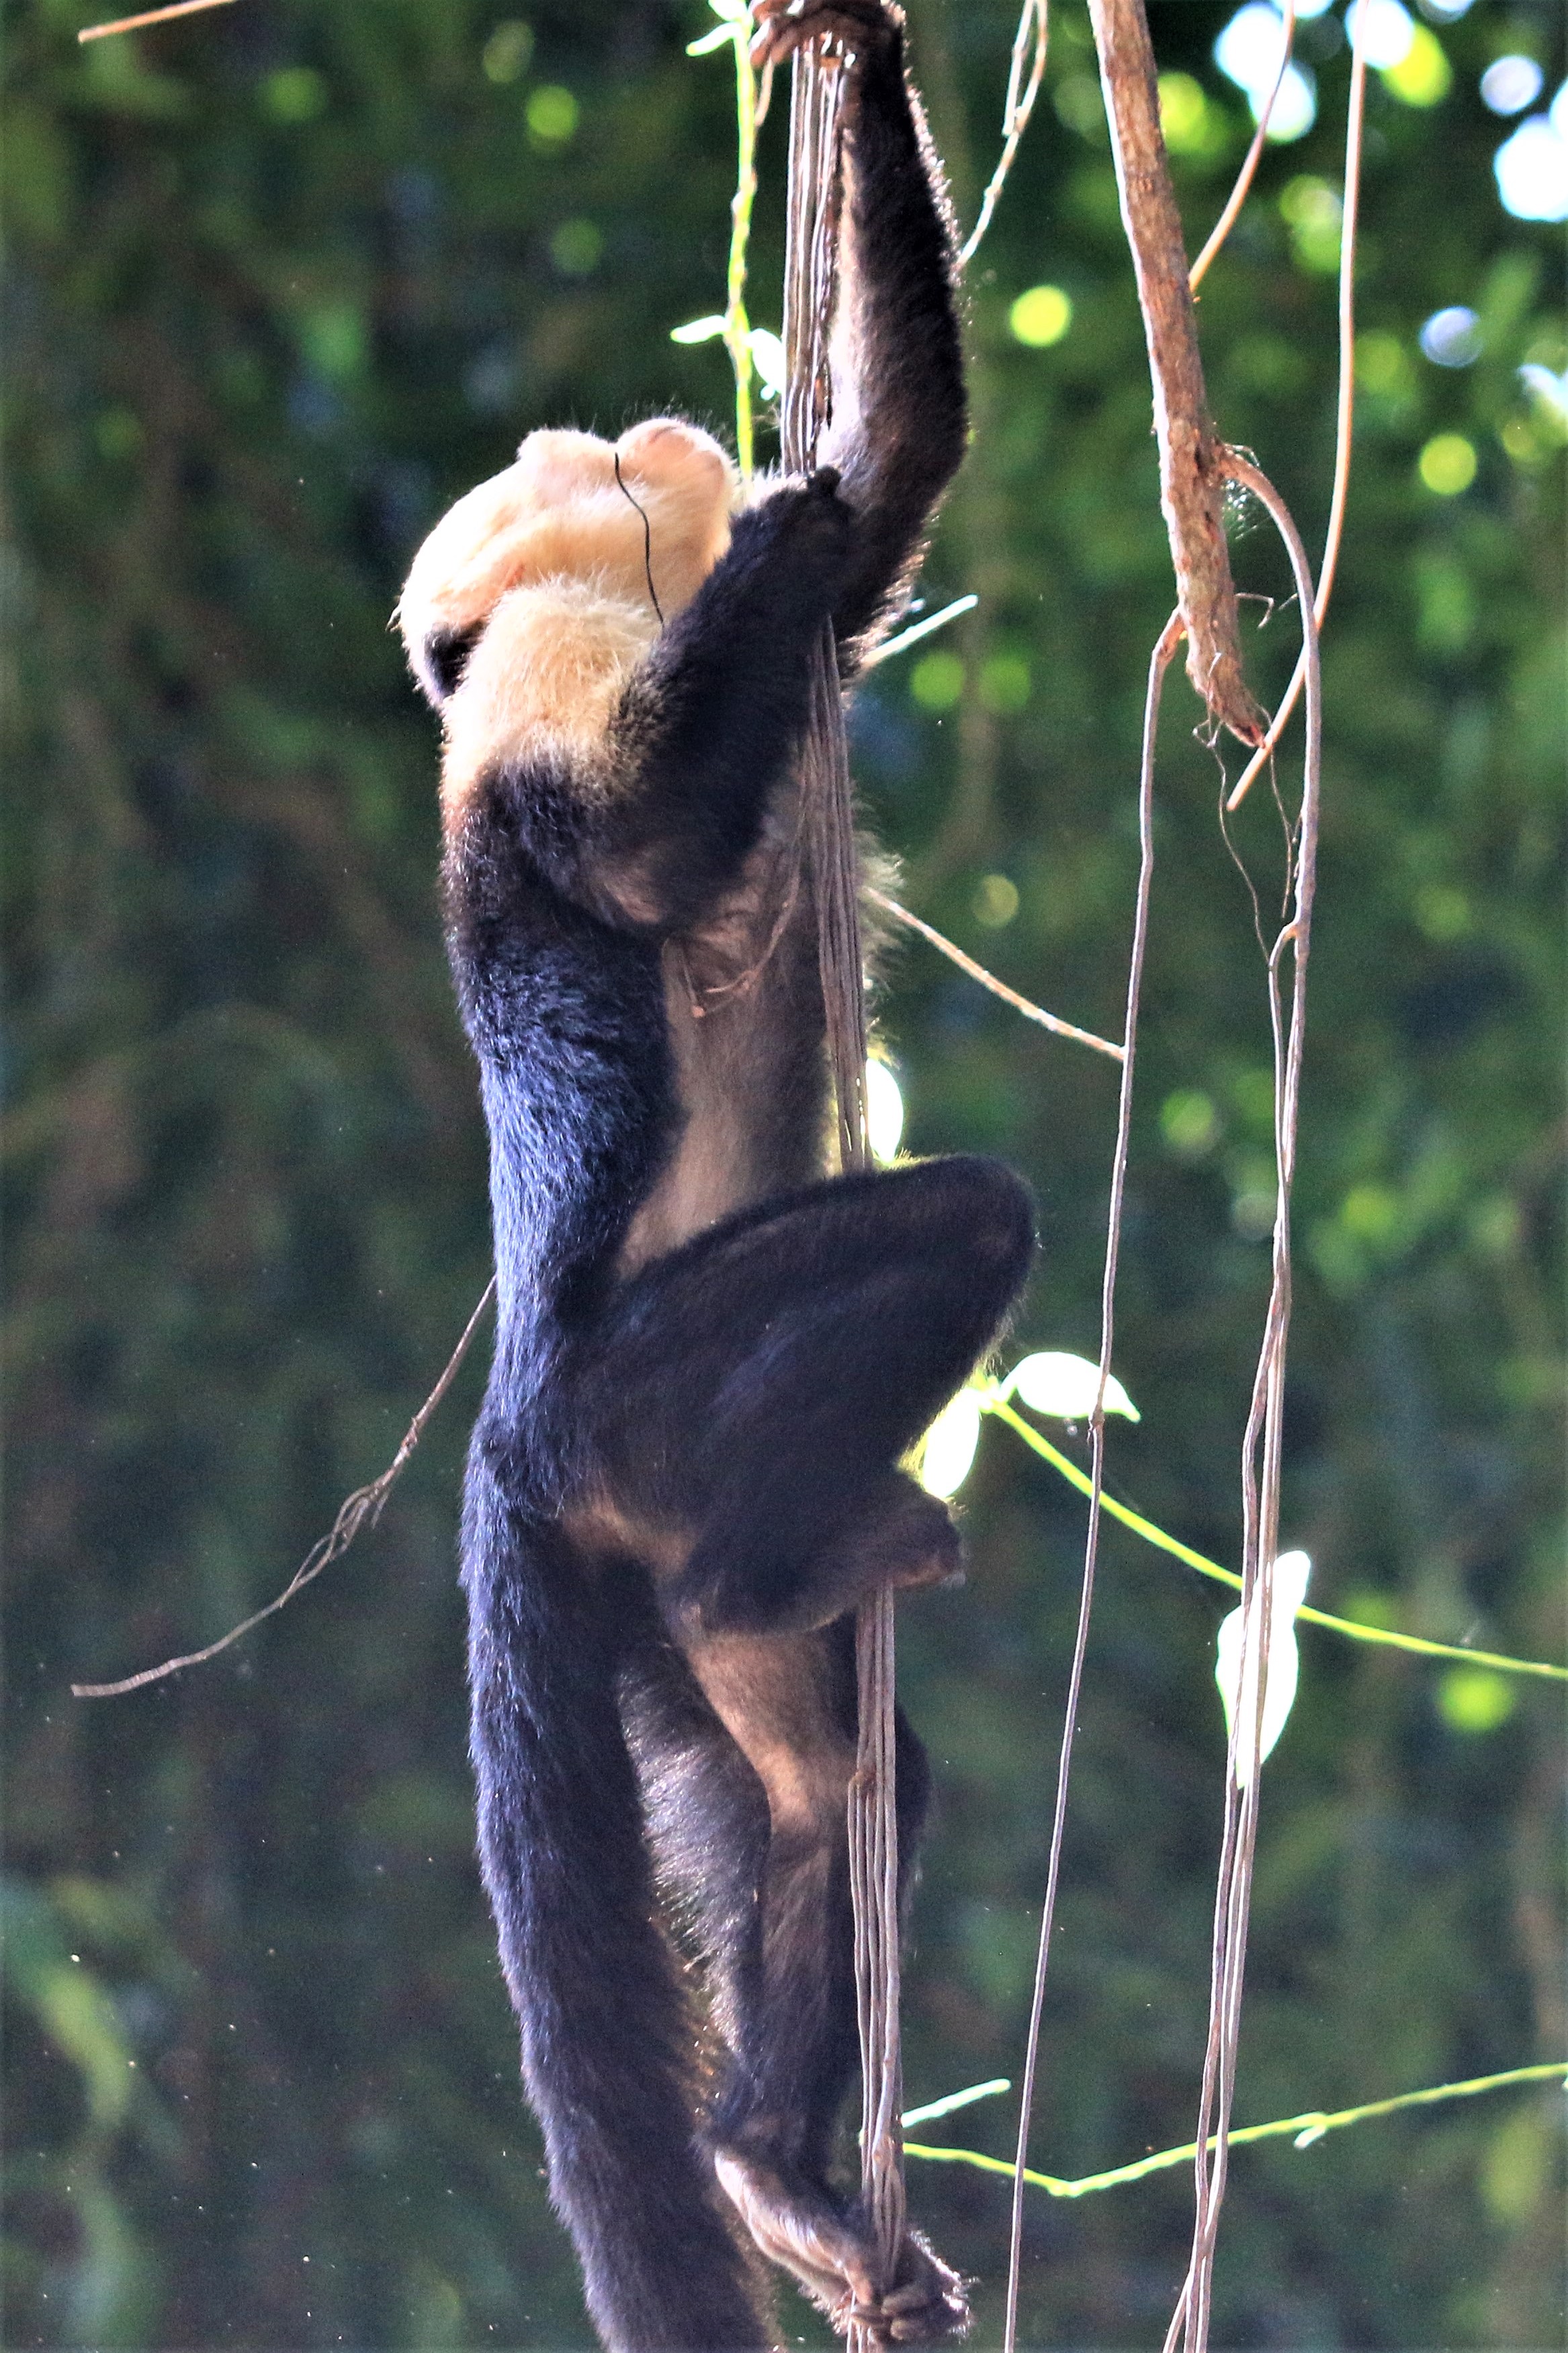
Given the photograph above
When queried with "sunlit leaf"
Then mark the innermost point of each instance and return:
(884, 1111)
(949, 1444)
(1063, 1386)
(772, 367)
(1237, 1662)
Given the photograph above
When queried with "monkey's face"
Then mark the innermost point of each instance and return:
(642, 519)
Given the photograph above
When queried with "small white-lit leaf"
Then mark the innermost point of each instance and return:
(772, 367)
(1236, 1662)
(949, 1445)
(1305, 2139)
(698, 331)
(884, 1111)
(1066, 1387)
(721, 36)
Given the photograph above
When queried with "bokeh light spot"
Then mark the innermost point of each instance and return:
(1531, 170)
(505, 54)
(1041, 317)
(1510, 84)
(1452, 338)
(995, 902)
(1448, 464)
(1423, 76)
(1474, 1700)
(936, 681)
(552, 115)
(575, 248)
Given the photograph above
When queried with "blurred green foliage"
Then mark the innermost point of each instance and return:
(281, 283)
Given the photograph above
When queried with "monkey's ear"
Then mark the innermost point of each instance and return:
(439, 661)
(465, 563)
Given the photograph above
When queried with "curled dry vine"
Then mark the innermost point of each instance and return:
(1194, 465)
(1249, 161)
(1344, 416)
(1160, 661)
(1260, 1467)
(1025, 72)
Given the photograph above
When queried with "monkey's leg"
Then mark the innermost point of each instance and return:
(789, 1702)
(756, 1389)
(749, 1395)
(705, 1807)
(743, 1767)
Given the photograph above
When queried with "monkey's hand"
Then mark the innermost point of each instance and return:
(864, 29)
(833, 2258)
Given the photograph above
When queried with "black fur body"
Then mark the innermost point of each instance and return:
(709, 1359)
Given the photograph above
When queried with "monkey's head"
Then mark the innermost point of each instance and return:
(535, 596)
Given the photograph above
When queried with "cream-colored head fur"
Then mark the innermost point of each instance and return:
(553, 555)
(544, 676)
(559, 512)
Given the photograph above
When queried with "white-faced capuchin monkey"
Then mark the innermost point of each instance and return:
(710, 1357)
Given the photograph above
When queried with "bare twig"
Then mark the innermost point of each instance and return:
(1160, 661)
(1244, 178)
(148, 16)
(1034, 20)
(1031, 1012)
(360, 1510)
(1346, 416)
(1191, 474)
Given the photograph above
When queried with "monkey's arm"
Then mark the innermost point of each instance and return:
(659, 824)
(899, 416)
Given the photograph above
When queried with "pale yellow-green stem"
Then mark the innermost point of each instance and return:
(993, 1403)
(1303, 2129)
(737, 326)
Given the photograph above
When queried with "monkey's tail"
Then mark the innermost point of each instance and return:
(607, 2041)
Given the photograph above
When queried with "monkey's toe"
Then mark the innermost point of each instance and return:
(927, 2304)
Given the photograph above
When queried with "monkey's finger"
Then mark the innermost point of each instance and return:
(773, 46)
(787, 24)
(913, 2297)
(917, 2316)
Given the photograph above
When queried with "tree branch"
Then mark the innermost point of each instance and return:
(1191, 476)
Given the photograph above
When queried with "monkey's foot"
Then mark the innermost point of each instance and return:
(926, 2303)
(836, 2264)
(912, 1545)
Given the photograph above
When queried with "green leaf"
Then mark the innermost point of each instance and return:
(69, 2004)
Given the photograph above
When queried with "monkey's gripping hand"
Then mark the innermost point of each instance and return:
(864, 29)
(835, 2264)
